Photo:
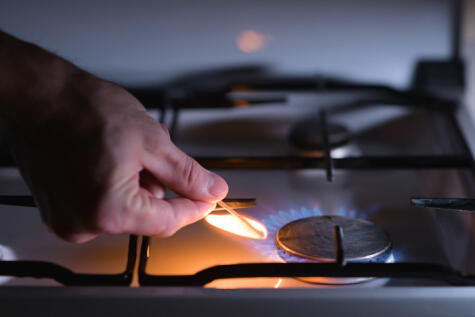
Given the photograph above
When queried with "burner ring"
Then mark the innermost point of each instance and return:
(312, 238)
(306, 135)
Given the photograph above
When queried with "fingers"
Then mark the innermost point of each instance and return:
(132, 200)
(182, 174)
(149, 216)
(163, 217)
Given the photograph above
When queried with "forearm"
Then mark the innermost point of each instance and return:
(30, 79)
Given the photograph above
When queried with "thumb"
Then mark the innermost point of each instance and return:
(183, 175)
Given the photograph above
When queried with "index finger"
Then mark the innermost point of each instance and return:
(163, 217)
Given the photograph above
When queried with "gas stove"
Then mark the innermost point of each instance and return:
(383, 162)
(333, 197)
(363, 187)
(332, 174)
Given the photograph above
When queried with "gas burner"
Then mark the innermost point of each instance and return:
(312, 239)
(306, 135)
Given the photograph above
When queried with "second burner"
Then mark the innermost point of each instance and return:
(313, 239)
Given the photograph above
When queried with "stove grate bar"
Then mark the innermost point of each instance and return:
(349, 163)
(455, 204)
(327, 158)
(291, 270)
(39, 269)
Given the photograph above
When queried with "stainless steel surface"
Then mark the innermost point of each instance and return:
(313, 238)
(419, 235)
(378, 129)
(380, 196)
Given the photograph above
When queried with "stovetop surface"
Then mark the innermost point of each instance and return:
(378, 195)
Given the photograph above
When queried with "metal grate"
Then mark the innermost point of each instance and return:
(49, 270)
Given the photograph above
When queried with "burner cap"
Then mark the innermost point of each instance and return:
(312, 238)
(307, 135)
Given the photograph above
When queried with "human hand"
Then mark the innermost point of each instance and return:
(96, 162)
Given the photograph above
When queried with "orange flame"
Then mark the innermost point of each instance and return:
(230, 224)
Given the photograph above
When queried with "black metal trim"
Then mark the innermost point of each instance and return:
(49, 270)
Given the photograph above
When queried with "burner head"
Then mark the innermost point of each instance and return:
(307, 135)
(312, 239)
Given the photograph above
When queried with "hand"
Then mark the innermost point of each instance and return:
(97, 163)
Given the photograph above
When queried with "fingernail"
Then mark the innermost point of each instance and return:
(217, 186)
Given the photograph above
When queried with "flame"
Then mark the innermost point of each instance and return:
(230, 224)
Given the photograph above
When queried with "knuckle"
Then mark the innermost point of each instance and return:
(190, 171)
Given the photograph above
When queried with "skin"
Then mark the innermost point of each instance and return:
(95, 161)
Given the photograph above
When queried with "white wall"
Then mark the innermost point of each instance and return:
(144, 41)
